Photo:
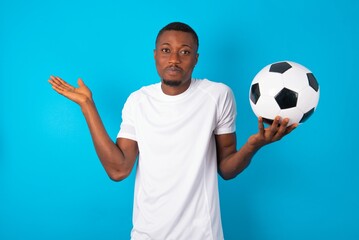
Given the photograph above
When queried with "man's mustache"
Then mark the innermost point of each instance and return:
(174, 68)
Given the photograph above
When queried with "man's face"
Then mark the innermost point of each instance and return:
(175, 56)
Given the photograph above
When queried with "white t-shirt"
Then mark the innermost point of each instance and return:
(176, 189)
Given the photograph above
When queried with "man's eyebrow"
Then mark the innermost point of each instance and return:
(183, 45)
(187, 45)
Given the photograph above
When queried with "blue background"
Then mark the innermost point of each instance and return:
(52, 185)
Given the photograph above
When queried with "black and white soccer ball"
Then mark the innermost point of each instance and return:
(286, 89)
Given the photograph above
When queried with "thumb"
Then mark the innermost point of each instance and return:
(80, 82)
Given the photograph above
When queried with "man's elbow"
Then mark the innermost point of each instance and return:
(118, 176)
(227, 176)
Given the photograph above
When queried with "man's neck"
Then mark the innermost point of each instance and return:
(175, 90)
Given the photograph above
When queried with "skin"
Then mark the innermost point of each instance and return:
(117, 158)
(175, 56)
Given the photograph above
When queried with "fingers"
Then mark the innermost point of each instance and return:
(291, 128)
(61, 83)
(56, 84)
(61, 86)
(273, 129)
(283, 129)
(260, 126)
(276, 131)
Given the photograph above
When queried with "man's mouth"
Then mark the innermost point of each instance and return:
(173, 69)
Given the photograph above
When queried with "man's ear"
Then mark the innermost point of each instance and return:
(154, 53)
(197, 56)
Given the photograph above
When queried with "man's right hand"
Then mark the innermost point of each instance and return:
(79, 95)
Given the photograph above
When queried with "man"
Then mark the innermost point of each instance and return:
(183, 131)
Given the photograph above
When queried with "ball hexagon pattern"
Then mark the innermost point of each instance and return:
(285, 89)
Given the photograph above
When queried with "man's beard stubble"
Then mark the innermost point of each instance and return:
(171, 83)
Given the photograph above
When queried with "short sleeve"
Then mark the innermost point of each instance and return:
(226, 113)
(127, 127)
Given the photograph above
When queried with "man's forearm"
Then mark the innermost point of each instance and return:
(237, 162)
(110, 155)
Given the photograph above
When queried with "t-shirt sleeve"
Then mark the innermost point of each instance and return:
(226, 117)
(127, 127)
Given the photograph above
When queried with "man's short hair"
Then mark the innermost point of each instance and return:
(178, 26)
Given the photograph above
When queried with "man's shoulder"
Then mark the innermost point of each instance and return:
(145, 91)
(212, 87)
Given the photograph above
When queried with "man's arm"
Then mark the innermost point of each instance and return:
(117, 159)
(232, 162)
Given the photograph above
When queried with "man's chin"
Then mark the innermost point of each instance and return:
(171, 83)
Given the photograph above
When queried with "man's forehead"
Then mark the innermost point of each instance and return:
(172, 36)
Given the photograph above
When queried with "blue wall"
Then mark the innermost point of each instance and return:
(52, 185)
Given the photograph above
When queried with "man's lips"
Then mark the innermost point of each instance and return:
(173, 69)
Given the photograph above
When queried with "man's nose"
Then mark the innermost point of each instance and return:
(174, 58)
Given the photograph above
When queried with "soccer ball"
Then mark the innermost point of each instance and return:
(285, 89)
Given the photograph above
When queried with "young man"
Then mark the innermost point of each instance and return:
(183, 132)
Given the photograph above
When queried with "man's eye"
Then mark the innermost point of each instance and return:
(165, 50)
(185, 52)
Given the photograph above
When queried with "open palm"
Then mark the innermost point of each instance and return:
(273, 133)
(78, 95)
